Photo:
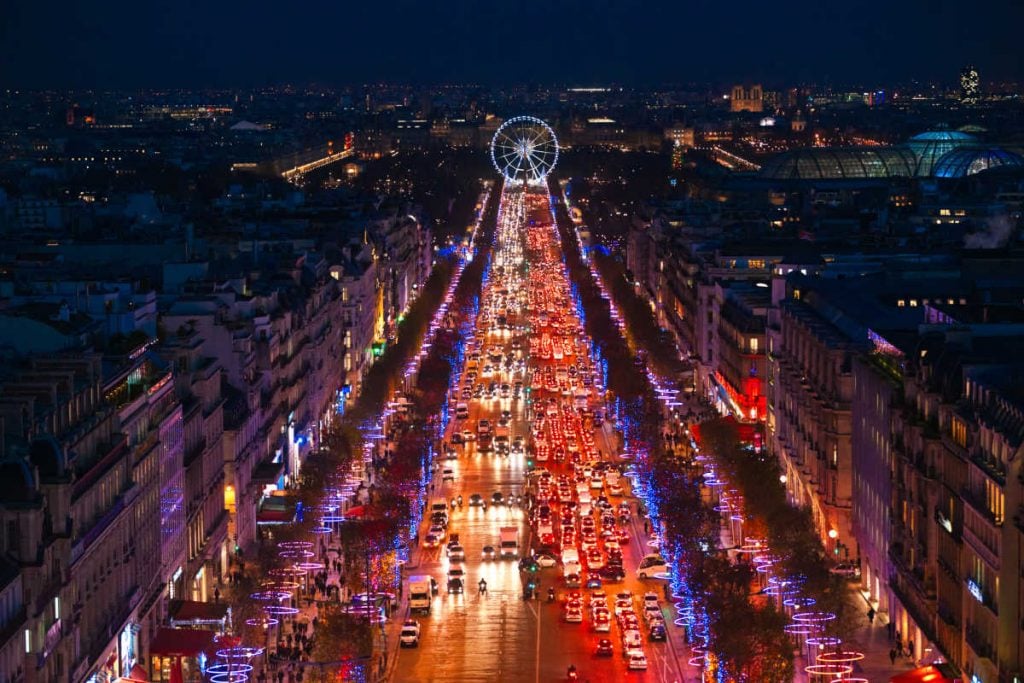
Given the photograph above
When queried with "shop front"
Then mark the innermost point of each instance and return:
(179, 655)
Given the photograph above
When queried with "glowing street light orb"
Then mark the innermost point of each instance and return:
(524, 149)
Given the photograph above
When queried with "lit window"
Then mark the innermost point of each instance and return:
(958, 431)
(753, 344)
(913, 302)
(901, 303)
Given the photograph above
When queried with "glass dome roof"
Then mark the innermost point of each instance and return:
(929, 147)
(840, 163)
(965, 161)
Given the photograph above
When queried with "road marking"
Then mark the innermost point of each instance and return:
(536, 656)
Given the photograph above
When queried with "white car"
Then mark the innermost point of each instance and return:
(652, 612)
(602, 621)
(409, 637)
(546, 560)
(631, 640)
(574, 615)
(651, 599)
(616, 490)
(653, 566)
(596, 483)
(456, 553)
(636, 660)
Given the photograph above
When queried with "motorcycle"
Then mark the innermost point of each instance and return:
(551, 595)
(573, 674)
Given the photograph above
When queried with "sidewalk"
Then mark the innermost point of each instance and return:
(873, 641)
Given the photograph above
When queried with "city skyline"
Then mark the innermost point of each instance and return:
(117, 45)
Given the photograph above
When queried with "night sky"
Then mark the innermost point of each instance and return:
(192, 43)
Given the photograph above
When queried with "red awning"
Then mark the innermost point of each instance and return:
(925, 674)
(275, 517)
(744, 431)
(190, 610)
(182, 642)
(357, 511)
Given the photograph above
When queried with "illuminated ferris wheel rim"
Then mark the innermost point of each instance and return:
(524, 149)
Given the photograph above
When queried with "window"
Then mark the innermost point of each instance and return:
(753, 344)
(995, 500)
(958, 432)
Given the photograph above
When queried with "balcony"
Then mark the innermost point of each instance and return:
(978, 643)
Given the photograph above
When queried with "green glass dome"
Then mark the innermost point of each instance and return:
(930, 146)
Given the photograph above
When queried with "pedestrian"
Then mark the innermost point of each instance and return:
(871, 616)
(892, 656)
(910, 649)
(216, 594)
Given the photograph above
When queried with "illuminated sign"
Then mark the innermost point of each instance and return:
(975, 590)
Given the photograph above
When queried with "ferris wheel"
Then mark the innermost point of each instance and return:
(524, 149)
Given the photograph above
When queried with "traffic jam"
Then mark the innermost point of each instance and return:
(530, 400)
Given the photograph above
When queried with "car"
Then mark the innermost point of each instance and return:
(574, 615)
(476, 500)
(455, 585)
(612, 573)
(488, 552)
(658, 632)
(652, 612)
(431, 541)
(572, 581)
(439, 519)
(457, 438)
(616, 490)
(468, 435)
(594, 560)
(636, 660)
(437, 530)
(628, 621)
(849, 570)
(653, 566)
(604, 648)
(593, 581)
(622, 605)
(456, 553)
(602, 622)
(631, 639)
(596, 483)
(497, 498)
(546, 560)
(409, 637)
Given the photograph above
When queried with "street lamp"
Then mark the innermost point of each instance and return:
(783, 478)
